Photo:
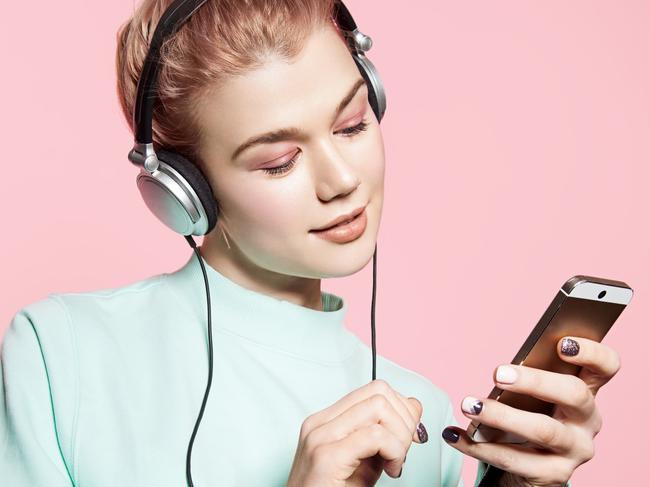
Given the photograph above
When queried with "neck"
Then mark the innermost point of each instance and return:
(233, 264)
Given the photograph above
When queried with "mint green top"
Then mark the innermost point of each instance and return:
(103, 388)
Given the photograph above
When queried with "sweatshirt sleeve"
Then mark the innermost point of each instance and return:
(30, 451)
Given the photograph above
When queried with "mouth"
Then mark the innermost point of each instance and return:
(345, 231)
(341, 220)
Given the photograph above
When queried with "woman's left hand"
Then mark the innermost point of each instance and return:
(566, 438)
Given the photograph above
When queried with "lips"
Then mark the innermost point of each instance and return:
(344, 233)
(341, 219)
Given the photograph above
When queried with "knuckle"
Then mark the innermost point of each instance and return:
(379, 403)
(599, 423)
(311, 442)
(307, 426)
(547, 433)
(589, 451)
(579, 393)
(505, 460)
(418, 405)
(380, 386)
(584, 447)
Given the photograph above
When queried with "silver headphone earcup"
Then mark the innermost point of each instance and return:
(376, 93)
(173, 201)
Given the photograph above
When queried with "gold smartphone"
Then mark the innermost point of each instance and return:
(585, 307)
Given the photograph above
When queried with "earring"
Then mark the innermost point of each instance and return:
(224, 236)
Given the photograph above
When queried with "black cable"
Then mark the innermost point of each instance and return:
(188, 468)
(190, 240)
(372, 314)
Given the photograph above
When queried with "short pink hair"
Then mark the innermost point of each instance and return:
(223, 38)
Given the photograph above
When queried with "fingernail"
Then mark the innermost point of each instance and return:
(400, 472)
(422, 433)
(450, 435)
(569, 347)
(506, 374)
(471, 405)
(423, 436)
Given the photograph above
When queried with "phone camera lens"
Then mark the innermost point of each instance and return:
(601, 295)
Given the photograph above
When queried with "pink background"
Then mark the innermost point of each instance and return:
(517, 139)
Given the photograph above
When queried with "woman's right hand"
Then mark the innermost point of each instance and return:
(352, 441)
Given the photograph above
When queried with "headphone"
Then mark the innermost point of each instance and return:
(176, 190)
(173, 187)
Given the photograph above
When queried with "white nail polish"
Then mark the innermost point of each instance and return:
(471, 405)
(506, 374)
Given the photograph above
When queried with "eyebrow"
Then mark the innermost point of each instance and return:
(293, 132)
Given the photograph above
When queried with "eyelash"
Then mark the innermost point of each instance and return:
(351, 131)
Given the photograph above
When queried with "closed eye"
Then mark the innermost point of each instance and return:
(347, 132)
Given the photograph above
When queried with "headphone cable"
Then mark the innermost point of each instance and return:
(190, 240)
(372, 314)
(188, 467)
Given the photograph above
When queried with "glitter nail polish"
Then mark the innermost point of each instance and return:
(569, 347)
(422, 433)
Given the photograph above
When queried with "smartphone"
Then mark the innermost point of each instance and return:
(585, 307)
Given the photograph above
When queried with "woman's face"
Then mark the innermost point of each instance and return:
(268, 216)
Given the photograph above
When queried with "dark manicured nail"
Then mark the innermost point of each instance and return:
(422, 433)
(569, 347)
(450, 435)
(400, 472)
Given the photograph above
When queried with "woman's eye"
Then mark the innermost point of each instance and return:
(282, 168)
(348, 132)
(360, 127)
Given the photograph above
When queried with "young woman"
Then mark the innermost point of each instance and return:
(102, 388)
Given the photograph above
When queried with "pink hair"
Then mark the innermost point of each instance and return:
(223, 38)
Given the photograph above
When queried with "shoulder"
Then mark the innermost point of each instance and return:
(52, 318)
(106, 300)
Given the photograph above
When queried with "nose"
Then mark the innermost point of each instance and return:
(334, 175)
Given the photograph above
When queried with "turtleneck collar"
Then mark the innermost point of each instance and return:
(264, 319)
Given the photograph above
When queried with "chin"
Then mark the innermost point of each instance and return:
(341, 260)
(344, 259)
